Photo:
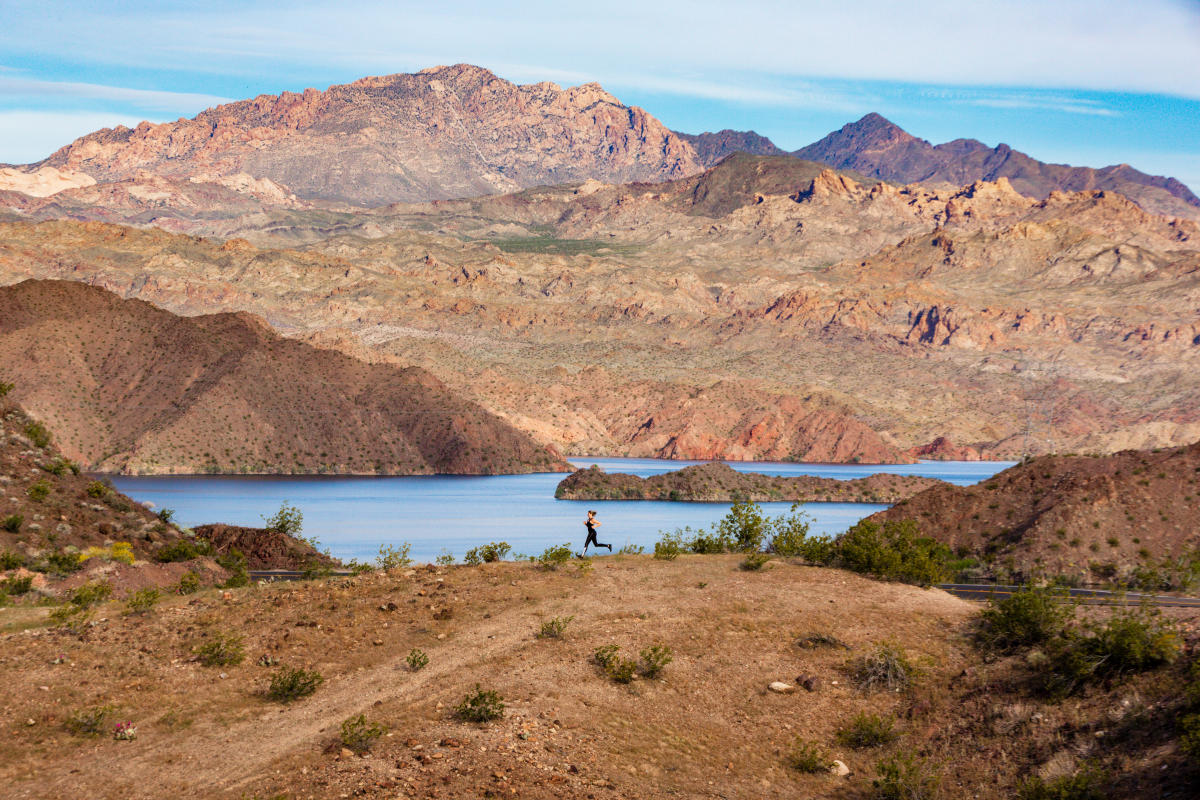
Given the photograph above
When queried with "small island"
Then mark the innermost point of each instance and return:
(718, 482)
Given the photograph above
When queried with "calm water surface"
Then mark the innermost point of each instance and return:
(353, 516)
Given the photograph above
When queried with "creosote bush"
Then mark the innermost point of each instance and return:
(1089, 783)
(38, 491)
(480, 706)
(288, 520)
(36, 432)
(417, 660)
(189, 583)
(88, 721)
(886, 667)
(222, 650)
(1025, 618)
(183, 550)
(390, 557)
(867, 730)
(487, 553)
(895, 551)
(808, 757)
(1129, 642)
(754, 561)
(97, 490)
(654, 659)
(292, 683)
(904, 777)
(142, 600)
(554, 628)
(554, 556)
(358, 735)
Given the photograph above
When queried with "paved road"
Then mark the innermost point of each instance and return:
(980, 592)
(1102, 597)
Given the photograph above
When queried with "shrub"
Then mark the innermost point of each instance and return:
(631, 550)
(904, 777)
(63, 562)
(292, 683)
(124, 732)
(669, 547)
(885, 668)
(705, 543)
(38, 491)
(754, 561)
(166, 515)
(61, 466)
(553, 628)
(605, 655)
(554, 556)
(622, 670)
(1132, 641)
(88, 721)
(654, 660)
(91, 594)
(808, 757)
(358, 735)
(789, 534)
(16, 586)
(183, 550)
(417, 659)
(1025, 618)
(288, 520)
(814, 640)
(189, 583)
(97, 490)
(235, 563)
(867, 730)
(1086, 784)
(5, 388)
(743, 528)
(36, 432)
(445, 559)
(10, 560)
(894, 551)
(221, 650)
(390, 557)
(480, 706)
(486, 554)
(142, 600)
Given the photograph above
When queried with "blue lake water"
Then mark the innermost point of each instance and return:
(353, 516)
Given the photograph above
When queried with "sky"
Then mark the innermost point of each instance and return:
(1087, 83)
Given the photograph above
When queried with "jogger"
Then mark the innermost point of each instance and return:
(591, 523)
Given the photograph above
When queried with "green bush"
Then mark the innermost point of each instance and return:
(38, 491)
(36, 432)
(808, 757)
(189, 583)
(754, 561)
(63, 562)
(867, 730)
(166, 515)
(358, 735)
(445, 559)
(605, 655)
(292, 683)
(886, 667)
(654, 659)
(183, 550)
(622, 670)
(5, 388)
(743, 528)
(221, 650)
(788, 534)
(61, 466)
(669, 547)
(9, 559)
(1089, 783)
(894, 551)
(91, 594)
(97, 490)
(390, 557)
(486, 554)
(554, 556)
(631, 550)
(288, 520)
(142, 600)
(480, 706)
(417, 659)
(1025, 618)
(553, 628)
(88, 721)
(904, 777)
(1129, 642)
(16, 586)
(236, 564)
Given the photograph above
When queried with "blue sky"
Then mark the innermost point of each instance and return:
(1091, 83)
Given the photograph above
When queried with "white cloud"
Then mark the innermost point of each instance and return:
(11, 84)
(28, 136)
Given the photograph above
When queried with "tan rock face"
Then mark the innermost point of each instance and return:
(42, 182)
(444, 132)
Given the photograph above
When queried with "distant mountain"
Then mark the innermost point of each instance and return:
(880, 149)
(443, 132)
(712, 147)
(131, 388)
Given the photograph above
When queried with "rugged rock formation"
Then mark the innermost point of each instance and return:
(42, 182)
(718, 482)
(263, 548)
(443, 132)
(135, 389)
(878, 148)
(1132, 515)
(712, 147)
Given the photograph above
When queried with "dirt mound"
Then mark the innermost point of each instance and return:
(263, 548)
(135, 389)
(1092, 517)
(717, 482)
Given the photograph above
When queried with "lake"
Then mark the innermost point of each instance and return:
(353, 516)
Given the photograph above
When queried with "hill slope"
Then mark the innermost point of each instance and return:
(1093, 518)
(132, 388)
(455, 131)
(878, 148)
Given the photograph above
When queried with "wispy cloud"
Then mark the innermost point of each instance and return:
(153, 100)
(1063, 105)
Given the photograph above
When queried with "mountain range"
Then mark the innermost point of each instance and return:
(765, 307)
